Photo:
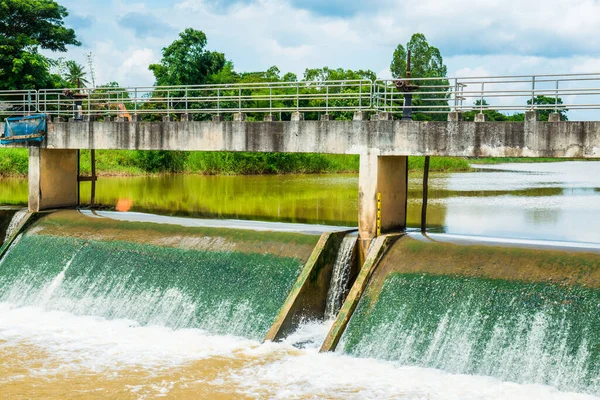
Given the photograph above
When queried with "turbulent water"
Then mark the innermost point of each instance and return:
(528, 333)
(223, 292)
(340, 277)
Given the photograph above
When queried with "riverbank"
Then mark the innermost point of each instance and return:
(13, 163)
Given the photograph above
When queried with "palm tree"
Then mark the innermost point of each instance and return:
(75, 74)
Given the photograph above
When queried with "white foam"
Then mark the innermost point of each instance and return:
(280, 370)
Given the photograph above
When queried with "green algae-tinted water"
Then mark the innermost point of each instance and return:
(216, 286)
(516, 331)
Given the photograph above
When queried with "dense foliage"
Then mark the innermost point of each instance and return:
(26, 27)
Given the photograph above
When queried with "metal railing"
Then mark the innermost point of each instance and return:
(264, 98)
(554, 93)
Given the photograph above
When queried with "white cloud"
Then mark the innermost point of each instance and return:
(492, 37)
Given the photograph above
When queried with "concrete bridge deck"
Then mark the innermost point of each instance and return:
(384, 137)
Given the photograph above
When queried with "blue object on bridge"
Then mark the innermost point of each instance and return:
(31, 128)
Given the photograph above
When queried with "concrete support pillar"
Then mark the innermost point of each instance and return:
(166, 118)
(268, 118)
(52, 178)
(481, 117)
(217, 118)
(385, 116)
(386, 176)
(455, 116)
(59, 119)
(554, 117)
(135, 118)
(359, 116)
(297, 116)
(184, 117)
(325, 117)
(239, 117)
(375, 117)
(532, 116)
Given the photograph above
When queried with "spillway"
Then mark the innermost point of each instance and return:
(516, 313)
(224, 281)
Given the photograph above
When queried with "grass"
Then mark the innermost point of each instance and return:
(13, 162)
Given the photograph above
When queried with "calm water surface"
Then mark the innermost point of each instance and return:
(558, 201)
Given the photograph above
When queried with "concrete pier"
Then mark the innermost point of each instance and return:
(382, 196)
(52, 178)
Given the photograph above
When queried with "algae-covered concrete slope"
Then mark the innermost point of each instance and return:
(519, 314)
(226, 281)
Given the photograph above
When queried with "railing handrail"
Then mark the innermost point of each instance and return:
(322, 96)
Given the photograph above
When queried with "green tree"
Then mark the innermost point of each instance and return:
(482, 106)
(426, 62)
(187, 62)
(75, 75)
(27, 26)
(550, 105)
(346, 93)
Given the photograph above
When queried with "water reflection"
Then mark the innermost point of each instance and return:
(558, 201)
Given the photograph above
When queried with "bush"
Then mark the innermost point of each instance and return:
(161, 161)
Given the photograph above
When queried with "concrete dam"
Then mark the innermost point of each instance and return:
(518, 312)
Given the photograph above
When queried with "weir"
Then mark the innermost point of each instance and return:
(224, 281)
(521, 312)
(525, 312)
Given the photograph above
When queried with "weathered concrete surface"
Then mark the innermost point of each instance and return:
(381, 245)
(387, 176)
(52, 178)
(456, 138)
(308, 297)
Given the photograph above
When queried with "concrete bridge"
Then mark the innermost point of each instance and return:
(117, 120)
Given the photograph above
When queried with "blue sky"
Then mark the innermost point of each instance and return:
(476, 37)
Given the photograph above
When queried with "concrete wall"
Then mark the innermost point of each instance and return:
(308, 297)
(458, 138)
(52, 178)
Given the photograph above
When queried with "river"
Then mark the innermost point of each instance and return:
(50, 353)
(553, 201)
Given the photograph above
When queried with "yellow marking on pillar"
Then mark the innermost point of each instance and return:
(378, 214)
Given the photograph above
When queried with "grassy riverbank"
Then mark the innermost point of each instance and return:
(13, 162)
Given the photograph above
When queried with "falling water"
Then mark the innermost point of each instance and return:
(14, 223)
(340, 276)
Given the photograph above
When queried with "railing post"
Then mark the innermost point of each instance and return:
(455, 95)
(481, 100)
(135, 101)
(326, 99)
(186, 100)
(556, 98)
(218, 101)
(297, 97)
(385, 99)
(360, 96)
(533, 92)
(240, 100)
(270, 99)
